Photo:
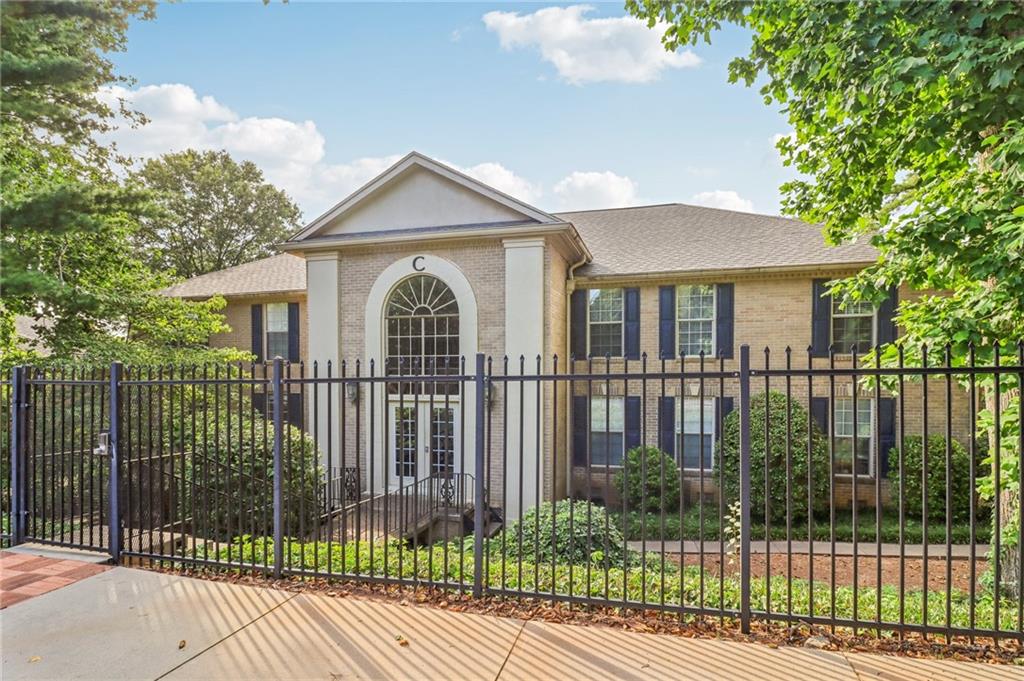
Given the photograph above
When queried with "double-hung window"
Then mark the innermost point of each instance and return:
(605, 314)
(607, 430)
(695, 432)
(853, 325)
(695, 319)
(276, 328)
(853, 451)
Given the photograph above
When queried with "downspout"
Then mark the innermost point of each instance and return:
(570, 286)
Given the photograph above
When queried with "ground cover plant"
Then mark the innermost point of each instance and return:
(694, 526)
(451, 564)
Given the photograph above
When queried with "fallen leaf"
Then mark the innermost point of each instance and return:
(402, 641)
(34, 658)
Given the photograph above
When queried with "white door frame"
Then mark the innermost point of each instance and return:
(392, 276)
(424, 444)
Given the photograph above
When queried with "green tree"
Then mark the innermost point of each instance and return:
(66, 248)
(908, 130)
(215, 213)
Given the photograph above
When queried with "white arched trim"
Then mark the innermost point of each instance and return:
(399, 271)
(390, 278)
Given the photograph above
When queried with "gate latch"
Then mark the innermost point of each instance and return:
(104, 441)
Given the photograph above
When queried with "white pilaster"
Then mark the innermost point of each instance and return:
(524, 336)
(324, 342)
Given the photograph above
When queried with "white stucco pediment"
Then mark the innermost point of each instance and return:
(420, 193)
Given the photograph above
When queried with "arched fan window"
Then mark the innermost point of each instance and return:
(422, 327)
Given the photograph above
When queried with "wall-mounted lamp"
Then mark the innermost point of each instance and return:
(352, 391)
(488, 393)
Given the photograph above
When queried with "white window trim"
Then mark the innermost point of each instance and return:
(602, 431)
(709, 404)
(622, 323)
(266, 330)
(848, 315)
(870, 475)
(714, 322)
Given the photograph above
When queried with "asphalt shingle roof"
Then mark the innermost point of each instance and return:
(277, 274)
(643, 240)
(679, 238)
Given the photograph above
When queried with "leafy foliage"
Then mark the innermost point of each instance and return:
(567, 531)
(648, 481)
(908, 131)
(789, 433)
(227, 472)
(66, 259)
(213, 213)
(962, 495)
(641, 582)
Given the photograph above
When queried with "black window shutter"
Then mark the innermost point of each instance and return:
(723, 407)
(821, 318)
(632, 326)
(580, 429)
(886, 432)
(632, 435)
(724, 295)
(886, 312)
(259, 404)
(819, 412)
(293, 332)
(257, 331)
(578, 323)
(667, 425)
(667, 322)
(294, 402)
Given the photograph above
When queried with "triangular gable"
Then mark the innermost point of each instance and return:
(418, 192)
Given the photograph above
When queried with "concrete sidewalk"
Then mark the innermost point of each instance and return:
(128, 624)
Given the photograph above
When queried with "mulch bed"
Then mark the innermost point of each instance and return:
(867, 570)
(765, 633)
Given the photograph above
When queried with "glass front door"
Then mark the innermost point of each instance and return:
(423, 441)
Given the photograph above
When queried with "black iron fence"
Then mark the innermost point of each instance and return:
(782, 487)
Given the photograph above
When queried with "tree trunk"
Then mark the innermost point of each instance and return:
(1009, 509)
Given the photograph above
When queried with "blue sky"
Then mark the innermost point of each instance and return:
(564, 106)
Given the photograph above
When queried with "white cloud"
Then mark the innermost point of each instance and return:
(592, 190)
(620, 49)
(504, 180)
(290, 153)
(724, 198)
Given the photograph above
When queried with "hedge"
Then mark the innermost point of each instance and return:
(791, 493)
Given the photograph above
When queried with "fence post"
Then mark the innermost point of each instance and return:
(278, 393)
(18, 510)
(114, 447)
(478, 488)
(745, 489)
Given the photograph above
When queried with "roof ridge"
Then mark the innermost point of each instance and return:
(605, 210)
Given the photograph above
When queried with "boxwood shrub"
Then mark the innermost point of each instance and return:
(776, 451)
(959, 474)
(641, 484)
(583, 534)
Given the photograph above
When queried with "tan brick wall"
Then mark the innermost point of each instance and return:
(238, 316)
(773, 312)
(483, 264)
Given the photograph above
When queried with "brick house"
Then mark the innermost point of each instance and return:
(424, 265)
